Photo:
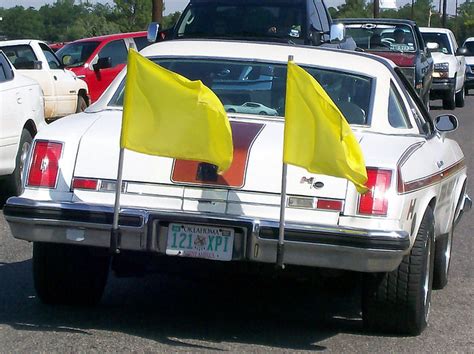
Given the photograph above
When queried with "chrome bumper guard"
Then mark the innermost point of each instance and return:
(254, 240)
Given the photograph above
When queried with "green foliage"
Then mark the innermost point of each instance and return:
(170, 20)
(353, 8)
(132, 15)
(67, 20)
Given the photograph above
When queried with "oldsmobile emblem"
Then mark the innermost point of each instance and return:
(311, 182)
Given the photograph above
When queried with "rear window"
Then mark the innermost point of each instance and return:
(259, 88)
(382, 37)
(441, 39)
(21, 56)
(76, 54)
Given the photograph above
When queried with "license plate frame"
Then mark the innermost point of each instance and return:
(200, 241)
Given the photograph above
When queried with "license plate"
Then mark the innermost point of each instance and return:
(198, 241)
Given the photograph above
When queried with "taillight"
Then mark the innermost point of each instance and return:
(329, 204)
(375, 201)
(44, 166)
(85, 183)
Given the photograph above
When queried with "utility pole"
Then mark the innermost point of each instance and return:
(456, 9)
(412, 16)
(445, 5)
(376, 8)
(157, 11)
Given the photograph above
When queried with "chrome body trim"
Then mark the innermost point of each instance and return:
(255, 240)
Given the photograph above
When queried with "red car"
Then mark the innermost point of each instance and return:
(56, 46)
(98, 60)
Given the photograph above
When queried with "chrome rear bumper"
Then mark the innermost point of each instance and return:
(254, 240)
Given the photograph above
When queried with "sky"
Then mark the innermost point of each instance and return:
(178, 5)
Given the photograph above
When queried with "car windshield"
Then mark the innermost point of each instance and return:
(76, 54)
(382, 37)
(259, 88)
(439, 38)
(282, 21)
(470, 47)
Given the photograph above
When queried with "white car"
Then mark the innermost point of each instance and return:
(399, 235)
(251, 108)
(469, 45)
(64, 93)
(21, 117)
(449, 66)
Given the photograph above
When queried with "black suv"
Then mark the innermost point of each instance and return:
(290, 21)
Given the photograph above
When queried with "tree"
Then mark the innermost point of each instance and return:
(132, 15)
(157, 11)
(30, 25)
(353, 8)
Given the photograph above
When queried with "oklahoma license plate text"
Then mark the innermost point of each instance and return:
(199, 241)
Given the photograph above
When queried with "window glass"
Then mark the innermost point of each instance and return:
(260, 88)
(3, 76)
(383, 37)
(246, 20)
(116, 50)
(441, 39)
(6, 73)
(76, 54)
(470, 47)
(420, 114)
(141, 42)
(51, 58)
(21, 56)
(397, 115)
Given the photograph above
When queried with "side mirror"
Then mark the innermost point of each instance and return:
(462, 51)
(446, 123)
(103, 63)
(66, 60)
(152, 33)
(432, 46)
(337, 33)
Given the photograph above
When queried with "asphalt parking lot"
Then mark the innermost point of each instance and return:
(193, 313)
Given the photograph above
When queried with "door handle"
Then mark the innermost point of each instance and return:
(19, 100)
(55, 78)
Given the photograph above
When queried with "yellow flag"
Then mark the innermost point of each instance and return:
(168, 115)
(317, 136)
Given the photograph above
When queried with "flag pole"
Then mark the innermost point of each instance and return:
(115, 232)
(281, 234)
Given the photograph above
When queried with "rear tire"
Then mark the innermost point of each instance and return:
(460, 98)
(14, 182)
(81, 104)
(449, 102)
(399, 301)
(69, 274)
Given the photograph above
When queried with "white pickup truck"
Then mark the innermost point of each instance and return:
(449, 66)
(63, 92)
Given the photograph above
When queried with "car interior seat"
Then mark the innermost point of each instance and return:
(23, 63)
